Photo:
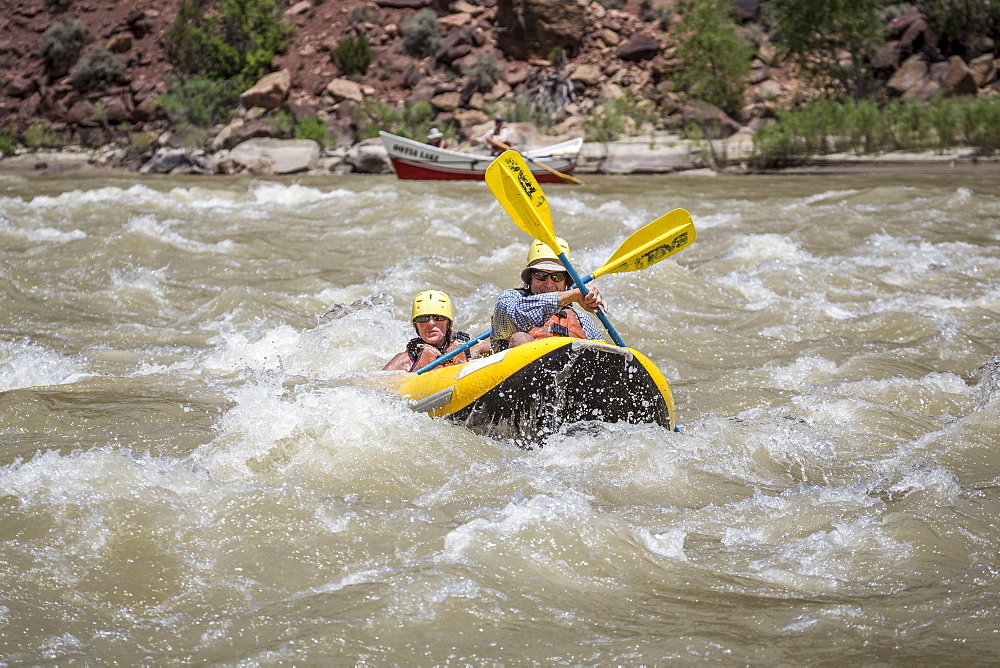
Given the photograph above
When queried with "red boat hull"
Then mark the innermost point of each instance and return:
(423, 172)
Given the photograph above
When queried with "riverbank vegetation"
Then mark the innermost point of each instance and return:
(864, 127)
(708, 74)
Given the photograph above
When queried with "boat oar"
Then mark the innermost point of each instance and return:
(671, 232)
(566, 177)
(513, 184)
(668, 234)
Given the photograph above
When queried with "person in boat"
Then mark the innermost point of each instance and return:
(544, 306)
(496, 135)
(436, 138)
(432, 316)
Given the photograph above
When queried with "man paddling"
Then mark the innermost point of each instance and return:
(432, 316)
(542, 306)
(498, 137)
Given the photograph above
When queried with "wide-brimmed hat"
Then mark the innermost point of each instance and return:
(541, 265)
(434, 134)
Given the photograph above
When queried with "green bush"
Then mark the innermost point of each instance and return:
(239, 39)
(421, 34)
(617, 117)
(825, 126)
(354, 54)
(525, 109)
(311, 127)
(8, 142)
(486, 72)
(62, 44)
(412, 120)
(200, 101)
(714, 59)
(373, 116)
(97, 70)
(37, 136)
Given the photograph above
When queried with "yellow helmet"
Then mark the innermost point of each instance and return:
(539, 250)
(432, 302)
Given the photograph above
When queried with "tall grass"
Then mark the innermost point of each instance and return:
(863, 127)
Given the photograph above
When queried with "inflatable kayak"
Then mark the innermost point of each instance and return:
(531, 390)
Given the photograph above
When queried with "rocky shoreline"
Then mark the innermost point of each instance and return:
(662, 154)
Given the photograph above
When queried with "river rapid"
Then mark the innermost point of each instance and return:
(200, 463)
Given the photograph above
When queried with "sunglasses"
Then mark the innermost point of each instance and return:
(425, 318)
(556, 276)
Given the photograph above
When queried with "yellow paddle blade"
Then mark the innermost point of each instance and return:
(512, 183)
(660, 239)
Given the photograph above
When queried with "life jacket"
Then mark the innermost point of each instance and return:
(564, 322)
(420, 351)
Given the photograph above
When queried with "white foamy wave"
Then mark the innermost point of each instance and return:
(669, 543)
(941, 484)
(753, 290)
(110, 194)
(141, 281)
(764, 247)
(708, 221)
(859, 552)
(804, 373)
(24, 364)
(47, 234)
(829, 196)
(362, 340)
(160, 230)
(345, 436)
(520, 516)
(295, 194)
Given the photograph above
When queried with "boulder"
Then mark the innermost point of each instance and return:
(270, 92)
(639, 46)
(910, 76)
(710, 117)
(21, 87)
(369, 157)
(167, 160)
(456, 43)
(117, 108)
(636, 158)
(120, 43)
(984, 69)
(344, 89)
(959, 79)
(459, 20)
(587, 74)
(447, 101)
(287, 156)
(535, 28)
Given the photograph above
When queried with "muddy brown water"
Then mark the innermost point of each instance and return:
(198, 465)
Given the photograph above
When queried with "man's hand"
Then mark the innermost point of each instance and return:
(590, 303)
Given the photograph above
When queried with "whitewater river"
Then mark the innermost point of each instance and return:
(199, 463)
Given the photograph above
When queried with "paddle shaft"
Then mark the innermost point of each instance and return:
(571, 179)
(583, 291)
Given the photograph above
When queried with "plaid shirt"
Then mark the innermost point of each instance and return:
(518, 311)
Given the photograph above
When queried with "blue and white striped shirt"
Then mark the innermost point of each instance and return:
(518, 311)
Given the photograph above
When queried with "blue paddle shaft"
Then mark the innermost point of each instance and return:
(583, 290)
(457, 351)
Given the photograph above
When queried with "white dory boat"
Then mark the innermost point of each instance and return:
(416, 160)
